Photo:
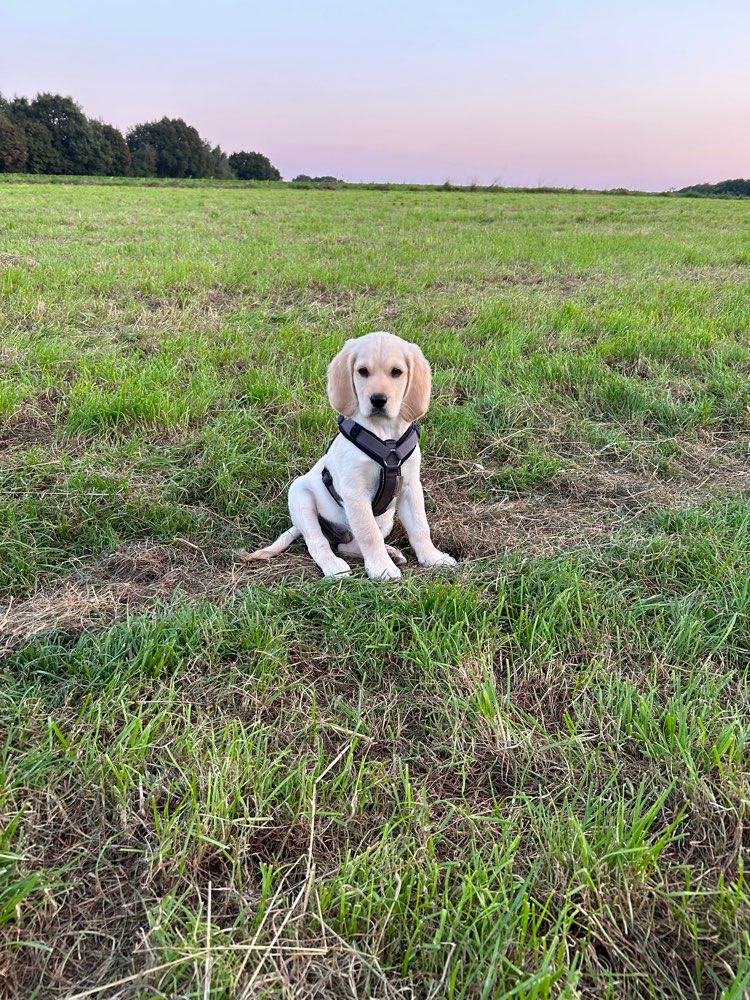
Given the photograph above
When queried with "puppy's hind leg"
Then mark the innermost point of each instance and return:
(305, 518)
(282, 542)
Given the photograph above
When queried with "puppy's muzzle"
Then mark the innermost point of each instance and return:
(378, 400)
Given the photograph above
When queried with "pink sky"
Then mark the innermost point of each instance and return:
(641, 95)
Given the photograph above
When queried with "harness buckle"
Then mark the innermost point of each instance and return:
(392, 460)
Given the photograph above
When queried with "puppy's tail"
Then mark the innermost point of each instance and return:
(282, 542)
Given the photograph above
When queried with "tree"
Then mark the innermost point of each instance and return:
(253, 167)
(178, 149)
(738, 188)
(220, 165)
(71, 136)
(41, 156)
(13, 147)
(143, 161)
(306, 179)
(113, 155)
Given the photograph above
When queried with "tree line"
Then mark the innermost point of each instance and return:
(52, 135)
(737, 188)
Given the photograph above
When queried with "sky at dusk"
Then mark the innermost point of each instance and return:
(636, 94)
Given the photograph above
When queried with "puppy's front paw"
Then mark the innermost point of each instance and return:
(336, 567)
(383, 571)
(438, 558)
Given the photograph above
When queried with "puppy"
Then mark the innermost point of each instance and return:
(380, 385)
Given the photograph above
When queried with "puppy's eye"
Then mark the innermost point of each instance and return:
(396, 372)
(363, 372)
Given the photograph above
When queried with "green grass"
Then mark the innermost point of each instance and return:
(528, 778)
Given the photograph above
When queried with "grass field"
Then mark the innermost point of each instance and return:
(526, 778)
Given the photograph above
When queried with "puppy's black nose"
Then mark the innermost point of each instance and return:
(378, 400)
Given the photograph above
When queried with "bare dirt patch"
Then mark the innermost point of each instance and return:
(456, 318)
(342, 302)
(23, 431)
(129, 579)
(33, 424)
(522, 275)
(582, 503)
(322, 294)
(17, 260)
(573, 508)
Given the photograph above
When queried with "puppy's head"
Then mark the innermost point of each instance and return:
(379, 375)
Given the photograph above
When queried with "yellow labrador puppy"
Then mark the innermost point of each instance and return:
(379, 384)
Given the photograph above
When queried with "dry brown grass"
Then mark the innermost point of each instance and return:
(17, 260)
(32, 424)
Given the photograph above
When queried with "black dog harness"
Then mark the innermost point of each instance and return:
(390, 456)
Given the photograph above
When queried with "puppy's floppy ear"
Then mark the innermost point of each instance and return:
(417, 396)
(341, 392)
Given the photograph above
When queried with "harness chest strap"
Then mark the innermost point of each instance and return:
(390, 455)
